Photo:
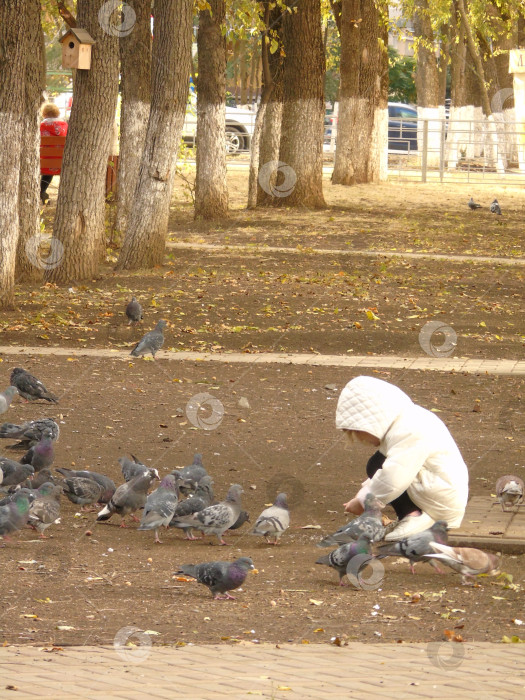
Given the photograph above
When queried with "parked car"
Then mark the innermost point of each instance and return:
(240, 124)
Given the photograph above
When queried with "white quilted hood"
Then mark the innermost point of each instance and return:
(370, 404)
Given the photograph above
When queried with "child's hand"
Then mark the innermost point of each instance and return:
(354, 506)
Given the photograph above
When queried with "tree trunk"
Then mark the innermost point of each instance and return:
(80, 214)
(363, 94)
(145, 240)
(243, 69)
(211, 191)
(135, 82)
(29, 184)
(302, 130)
(13, 28)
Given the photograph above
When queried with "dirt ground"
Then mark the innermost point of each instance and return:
(95, 585)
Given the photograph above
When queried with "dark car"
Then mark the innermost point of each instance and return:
(402, 127)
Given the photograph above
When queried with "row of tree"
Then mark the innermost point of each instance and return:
(154, 78)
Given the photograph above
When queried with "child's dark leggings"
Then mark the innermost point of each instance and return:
(402, 504)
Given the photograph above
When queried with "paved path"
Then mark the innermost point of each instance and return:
(367, 671)
(261, 249)
(486, 525)
(438, 364)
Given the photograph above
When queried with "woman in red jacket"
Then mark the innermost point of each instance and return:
(50, 125)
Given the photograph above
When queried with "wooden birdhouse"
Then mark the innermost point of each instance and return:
(76, 49)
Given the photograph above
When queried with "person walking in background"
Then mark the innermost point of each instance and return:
(51, 125)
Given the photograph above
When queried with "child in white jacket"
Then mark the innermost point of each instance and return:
(418, 467)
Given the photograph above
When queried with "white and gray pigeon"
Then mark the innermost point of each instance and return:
(41, 455)
(134, 311)
(495, 207)
(14, 515)
(44, 511)
(368, 523)
(31, 431)
(219, 576)
(473, 205)
(200, 500)
(128, 498)
(216, 519)
(29, 387)
(13, 473)
(151, 342)
(416, 546)
(81, 491)
(131, 469)
(341, 557)
(160, 506)
(273, 521)
(468, 561)
(108, 485)
(509, 490)
(6, 397)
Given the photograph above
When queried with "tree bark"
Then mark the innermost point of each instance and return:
(211, 191)
(145, 240)
(363, 95)
(29, 184)
(302, 129)
(427, 75)
(80, 214)
(135, 82)
(13, 27)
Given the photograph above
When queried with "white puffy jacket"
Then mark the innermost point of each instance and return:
(421, 455)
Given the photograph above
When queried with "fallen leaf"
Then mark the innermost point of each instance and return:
(315, 602)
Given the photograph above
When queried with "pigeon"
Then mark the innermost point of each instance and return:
(274, 520)
(369, 523)
(14, 515)
(30, 494)
(81, 491)
(340, 558)
(495, 207)
(468, 561)
(45, 509)
(151, 342)
(134, 311)
(416, 546)
(509, 490)
(6, 397)
(160, 506)
(36, 481)
(29, 387)
(42, 454)
(193, 473)
(31, 431)
(219, 576)
(128, 498)
(132, 469)
(13, 473)
(472, 204)
(107, 484)
(201, 499)
(216, 519)
(244, 517)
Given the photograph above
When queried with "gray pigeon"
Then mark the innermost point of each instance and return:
(134, 311)
(128, 498)
(81, 491)
(30, 494)
(45, 509)
(201, 499)
(369, 523)
(31, 431)
(509, 490)
(41, 455)
(244, 517)
(151, 342)
(472, 204)
(273, 521)
(35, 482)
(13, 473)
(191, 474)
(29, 387)
(216, 519)
(6, 397)
(107, 484)
(136, 468)
(14, 515)
(495, 207)
(468, 561)
(160, 506)
(340, 558)
(416, 546)
(219, 576)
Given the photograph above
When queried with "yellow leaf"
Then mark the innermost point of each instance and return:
(315, 602)
(483, 324)
(283, 687)
(319, 629)
(371, 316)
(31, 617)
(413, 617)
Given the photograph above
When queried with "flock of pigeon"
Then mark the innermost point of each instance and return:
(494, 207)
(184, 499)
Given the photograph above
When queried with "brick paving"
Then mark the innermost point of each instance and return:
(314, 671)
(485, 524)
